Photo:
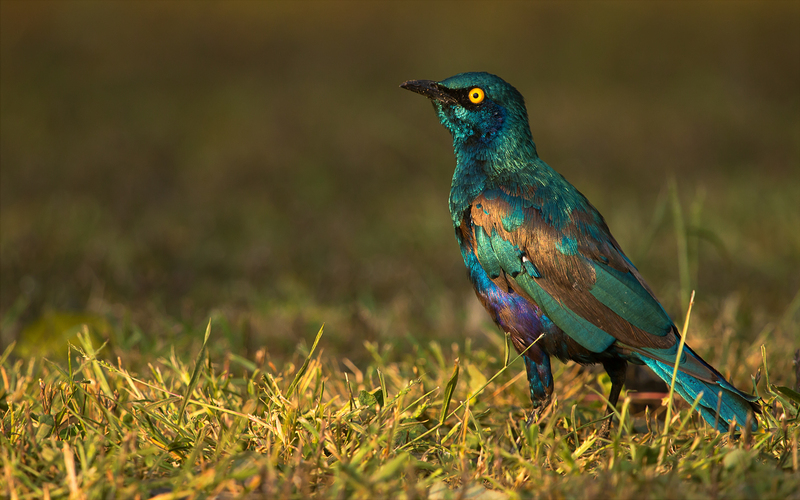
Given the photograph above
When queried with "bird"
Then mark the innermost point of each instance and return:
(545, 266)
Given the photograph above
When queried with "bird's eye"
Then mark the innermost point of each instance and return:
(476, 95)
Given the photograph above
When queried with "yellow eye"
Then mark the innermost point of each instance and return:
(476, 95)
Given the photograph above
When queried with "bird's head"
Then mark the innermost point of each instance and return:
(478, 108)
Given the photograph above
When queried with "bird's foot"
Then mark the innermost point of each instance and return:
(537, 416)
(534, 417)
(540, 410)
(605, 429)
(608, 424)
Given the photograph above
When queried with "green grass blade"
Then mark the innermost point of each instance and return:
(7, 352)
(448, 392)
(303, 368)
(195, 375)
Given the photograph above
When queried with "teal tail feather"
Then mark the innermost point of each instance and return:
(719, 402)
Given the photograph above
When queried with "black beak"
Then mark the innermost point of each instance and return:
(429, 89)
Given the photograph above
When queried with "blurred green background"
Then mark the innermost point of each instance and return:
(163, 162)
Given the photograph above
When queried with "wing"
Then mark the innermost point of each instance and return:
(569, 264)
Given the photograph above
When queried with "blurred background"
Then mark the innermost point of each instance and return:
(164, 162)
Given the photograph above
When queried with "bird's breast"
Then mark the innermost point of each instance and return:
(516, 313)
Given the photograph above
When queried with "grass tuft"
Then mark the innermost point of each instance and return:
(237, 428)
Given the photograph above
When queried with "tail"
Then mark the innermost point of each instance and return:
(719, 401)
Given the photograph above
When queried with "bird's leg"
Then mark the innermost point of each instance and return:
(616, 371)
(540, 380)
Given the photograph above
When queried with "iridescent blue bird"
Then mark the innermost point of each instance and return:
(544, 263)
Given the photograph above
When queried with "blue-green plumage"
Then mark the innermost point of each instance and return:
(543, 261)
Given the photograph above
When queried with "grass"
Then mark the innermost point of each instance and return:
(256, 164)
(193, 428)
